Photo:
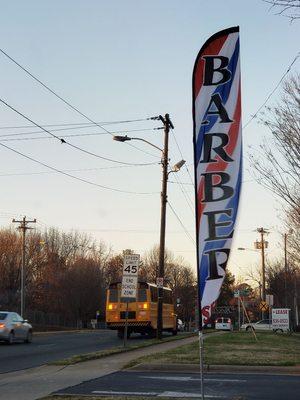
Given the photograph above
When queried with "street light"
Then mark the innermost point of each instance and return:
(246, 248)
(165, 174)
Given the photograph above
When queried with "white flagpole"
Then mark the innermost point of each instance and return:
(201, 351)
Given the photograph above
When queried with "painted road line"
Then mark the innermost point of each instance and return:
(189, 379)
(186, 394)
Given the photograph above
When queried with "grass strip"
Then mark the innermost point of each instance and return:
(234, 348)
(116, 350)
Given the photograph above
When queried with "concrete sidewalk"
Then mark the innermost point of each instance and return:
(35, 383)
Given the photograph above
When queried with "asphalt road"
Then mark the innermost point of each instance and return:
(52, 347)
(217, 386)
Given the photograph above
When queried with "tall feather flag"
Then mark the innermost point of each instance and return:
(217, 159)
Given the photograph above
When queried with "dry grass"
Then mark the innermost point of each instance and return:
(235, 349)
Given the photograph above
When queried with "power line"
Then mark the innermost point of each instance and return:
(184, 192)
(62, 99)
(11, 137)
(78, 125)
(69, 144)
(181, 223)
(272, 92)
(182, 188)
(67, 170)
(72, 176)
(180, 152)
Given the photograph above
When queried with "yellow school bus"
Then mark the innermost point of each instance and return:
(142, 311)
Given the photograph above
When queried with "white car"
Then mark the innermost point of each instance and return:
(224, 324)
(14, 328)
(263, 325)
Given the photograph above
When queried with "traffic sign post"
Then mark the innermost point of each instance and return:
(129, 284)
(270, 302)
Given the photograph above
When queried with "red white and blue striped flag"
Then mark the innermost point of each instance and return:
(217, 157)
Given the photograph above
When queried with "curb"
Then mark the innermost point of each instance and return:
(195, 369)
(63, 332)
(118, 350)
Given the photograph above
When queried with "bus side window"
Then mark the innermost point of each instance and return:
(167, 299)
(153, 291)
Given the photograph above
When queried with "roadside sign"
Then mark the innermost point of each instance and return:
(258, 245)
(263, 306)
(241, 292)
(160, 282)
(130, 276)
(270, 299)
(281, 318)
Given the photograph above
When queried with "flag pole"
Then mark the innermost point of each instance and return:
(201, 354)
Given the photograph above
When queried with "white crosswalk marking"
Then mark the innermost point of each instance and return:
(186, 394)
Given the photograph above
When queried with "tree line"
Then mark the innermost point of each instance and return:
(67, 274)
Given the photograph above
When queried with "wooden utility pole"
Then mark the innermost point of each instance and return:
(165, 162)
(285, 270)
(23, 227)
(263, 232)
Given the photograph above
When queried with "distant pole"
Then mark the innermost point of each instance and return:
(285, 270)
(23, 227)
(262, 232)
(239, 312)
(161, 272)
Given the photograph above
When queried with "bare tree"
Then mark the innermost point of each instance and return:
(278, 160)
(287, 8)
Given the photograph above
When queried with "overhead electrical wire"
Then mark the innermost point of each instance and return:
(67, 170)
(72, 176)
(181, 155)
(272, 92)
(68, 143)
(182, 188)
(184, 192)
(78, 125)
(65, 101)
(73, 128)
(181, 223)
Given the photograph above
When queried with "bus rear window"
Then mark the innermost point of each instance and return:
(142, 295)
(113, 295)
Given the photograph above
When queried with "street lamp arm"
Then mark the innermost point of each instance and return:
(146, 141)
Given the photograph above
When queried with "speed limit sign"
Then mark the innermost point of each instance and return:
(130, 275)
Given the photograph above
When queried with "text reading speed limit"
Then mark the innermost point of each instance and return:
(131, 264)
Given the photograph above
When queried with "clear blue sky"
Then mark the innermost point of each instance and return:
(124, 60)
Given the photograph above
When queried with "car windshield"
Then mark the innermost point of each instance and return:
(3, 315)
